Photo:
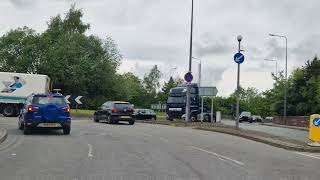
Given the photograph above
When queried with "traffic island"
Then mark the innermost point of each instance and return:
(281, 142)
(3, 135)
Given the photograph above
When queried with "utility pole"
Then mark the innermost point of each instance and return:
(239, 38)
(190, 65)
(286, 78)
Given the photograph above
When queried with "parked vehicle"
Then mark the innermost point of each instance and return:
(115, 111)
(176, 102)
(47, 111)
(143, 114)
(256, 118)
(268, 120)
(16, 87)
(245, 116)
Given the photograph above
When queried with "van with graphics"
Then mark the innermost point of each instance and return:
(16, 87)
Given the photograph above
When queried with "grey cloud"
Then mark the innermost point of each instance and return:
(22, 3)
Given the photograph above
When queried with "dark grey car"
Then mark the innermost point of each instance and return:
(115, 111)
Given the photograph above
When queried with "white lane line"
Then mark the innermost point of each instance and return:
(308, 155)
(90, 151)
(221, 157)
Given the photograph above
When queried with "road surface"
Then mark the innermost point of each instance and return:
(97, 151)
(277, 131)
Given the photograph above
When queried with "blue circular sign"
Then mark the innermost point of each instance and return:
(188, 77)
(238, 58)
(316, 121)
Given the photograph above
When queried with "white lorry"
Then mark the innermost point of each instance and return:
(16, 87)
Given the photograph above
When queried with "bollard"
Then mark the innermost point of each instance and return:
(218, 116)
(314, 130)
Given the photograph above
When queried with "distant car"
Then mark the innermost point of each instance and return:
(115, 111)
(47, 111)
(245, 116)
(268, 120)
(256, 118)
(143, 114)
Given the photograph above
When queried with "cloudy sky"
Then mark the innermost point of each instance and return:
(151, 32)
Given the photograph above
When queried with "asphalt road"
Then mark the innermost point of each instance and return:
(277, 131)
(97, 151)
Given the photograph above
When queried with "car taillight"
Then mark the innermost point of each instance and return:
(66, 109)
(32, 108)
(114, 110)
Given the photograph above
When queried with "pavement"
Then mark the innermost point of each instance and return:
(145, 152)
(289, 133)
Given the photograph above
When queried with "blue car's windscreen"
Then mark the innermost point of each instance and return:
(43, 100)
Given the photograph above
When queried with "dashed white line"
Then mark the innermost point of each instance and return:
(90, 151)
(221, 157)
(315, 156)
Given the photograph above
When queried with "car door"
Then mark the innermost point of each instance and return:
(102, 112)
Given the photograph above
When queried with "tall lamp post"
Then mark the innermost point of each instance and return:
(190, 65)
(286, 78)
(172, 69)
(239, 38)
(273, 60)
(199, 83)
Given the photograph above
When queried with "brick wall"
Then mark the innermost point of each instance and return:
(300, 121)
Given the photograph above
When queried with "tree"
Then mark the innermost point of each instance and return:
(172, 83)
(77, 63)
(151, 83)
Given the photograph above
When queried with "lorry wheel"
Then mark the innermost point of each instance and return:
(207, 118)
(9, 111)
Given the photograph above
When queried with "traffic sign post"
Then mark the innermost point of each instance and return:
(238, 58)
(188, 77)
(314, 130)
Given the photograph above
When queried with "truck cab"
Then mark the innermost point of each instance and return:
(176, 102)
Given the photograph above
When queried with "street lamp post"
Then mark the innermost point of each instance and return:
(286, 78)
(273, 60)
(199, 83)
(239, 38)
(190, 65)
(171, 69)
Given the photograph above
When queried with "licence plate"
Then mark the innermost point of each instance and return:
(49, 125)
(125, 117)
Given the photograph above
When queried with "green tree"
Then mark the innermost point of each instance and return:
(151, 83)
(77, 63)
(172, 83)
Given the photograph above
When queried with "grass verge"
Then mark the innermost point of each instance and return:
(82, 113)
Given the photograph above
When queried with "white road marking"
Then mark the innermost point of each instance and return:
(315, 156)
(90, 151)
(13, 154)
(221, 157)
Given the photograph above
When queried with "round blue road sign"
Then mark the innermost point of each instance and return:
(238, 58)
(188, 77)
(316, 121)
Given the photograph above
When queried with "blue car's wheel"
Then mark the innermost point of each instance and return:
(26, 129)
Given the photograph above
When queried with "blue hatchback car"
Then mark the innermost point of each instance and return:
(45, 111)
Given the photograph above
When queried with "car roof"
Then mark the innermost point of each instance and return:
(48, 94)
(119, 102)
